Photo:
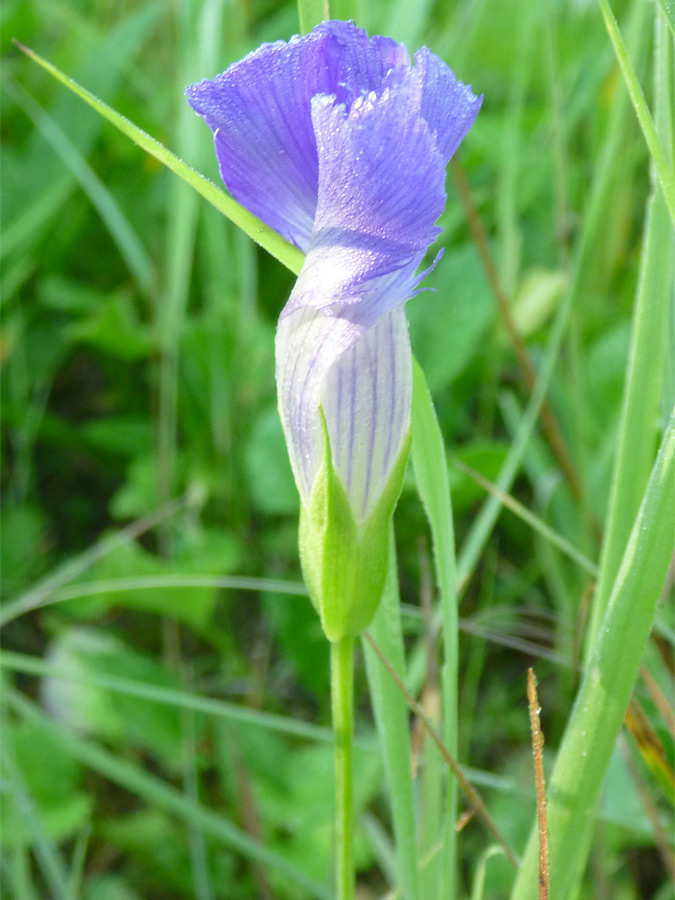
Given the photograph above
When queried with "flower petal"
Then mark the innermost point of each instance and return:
(448, 106)
(363, 383)
(260, 113)
(381, 189)
(308, 344)
(366, 400)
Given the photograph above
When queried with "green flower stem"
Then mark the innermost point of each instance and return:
(342, 694)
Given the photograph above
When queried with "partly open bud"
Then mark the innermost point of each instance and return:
(340, 143)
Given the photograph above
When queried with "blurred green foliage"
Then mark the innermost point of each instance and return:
(137, 363)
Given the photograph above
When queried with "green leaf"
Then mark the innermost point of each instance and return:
(391, 716)
(431, 475)
(114, 327)
(290, 256)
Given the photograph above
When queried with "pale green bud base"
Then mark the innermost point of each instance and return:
(344, 561)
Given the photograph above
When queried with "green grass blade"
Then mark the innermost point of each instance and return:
(391, 717)
(637, 432)
(637, 438)
(76, 875)
(47, 855)
(181, 235)
(310, 13)
(668, 7)
(664, 172)
(268, 239)
(601, 703)
(42, 592)
(121, 230)
(535, 523)
(347, 9)
(180, 699)
(431, 475)
(153, 790)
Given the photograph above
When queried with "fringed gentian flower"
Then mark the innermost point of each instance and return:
(338, 143)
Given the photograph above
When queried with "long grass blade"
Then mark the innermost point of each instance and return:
(637, 438)
(180, 699)
(664, 171)
(610, 678)
(668, 7)
(49, 860)
(535, 523)
(431, 476)
(290, 256)
(391, 717)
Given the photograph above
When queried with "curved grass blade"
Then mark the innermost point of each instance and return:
(268, 239)
(153, 790)
(41, 593)
(600, 706)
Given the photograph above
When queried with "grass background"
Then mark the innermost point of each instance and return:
(137, 352)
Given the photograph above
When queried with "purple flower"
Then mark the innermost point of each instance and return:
(338, 143)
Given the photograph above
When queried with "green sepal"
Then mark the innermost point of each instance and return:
(344, 561)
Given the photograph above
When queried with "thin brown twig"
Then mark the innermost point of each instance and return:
(537, 749)
(528, 374)
(471, 793)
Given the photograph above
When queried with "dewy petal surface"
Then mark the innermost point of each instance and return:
(260, 113)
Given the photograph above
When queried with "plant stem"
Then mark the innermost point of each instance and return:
(342, 694)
